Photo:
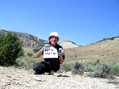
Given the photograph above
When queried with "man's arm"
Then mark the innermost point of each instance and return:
(39, 53)
(61, 58)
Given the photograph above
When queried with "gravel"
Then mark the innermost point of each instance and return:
(13, 78)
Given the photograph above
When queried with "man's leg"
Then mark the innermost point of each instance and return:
(39, 68)
(47, 68)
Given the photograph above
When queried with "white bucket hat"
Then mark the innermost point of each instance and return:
(54, 34)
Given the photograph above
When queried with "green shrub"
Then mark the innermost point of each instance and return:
(103, 71)
(78, 68)
(30, 54)
(29, 63)
(94, 69)
(10, 49)
(35, 50)
(20, 63)
(67, 67)
(25, 64)
(92, 66)
(115, 69)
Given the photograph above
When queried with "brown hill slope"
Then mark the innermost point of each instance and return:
(26, 39)
(107, 50)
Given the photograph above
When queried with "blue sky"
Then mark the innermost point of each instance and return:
(81, 21)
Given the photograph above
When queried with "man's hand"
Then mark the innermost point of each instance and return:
(61, 58)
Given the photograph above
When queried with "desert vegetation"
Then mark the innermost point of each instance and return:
(94, 68)
(99, 60)
(11, 53)
(10, 49)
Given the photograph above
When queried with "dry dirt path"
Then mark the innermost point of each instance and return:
(12, 78)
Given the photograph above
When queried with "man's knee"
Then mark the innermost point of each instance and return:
(35, 67)
(56, 69)
(39, 68)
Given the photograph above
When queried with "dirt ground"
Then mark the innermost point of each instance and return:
(12, 78)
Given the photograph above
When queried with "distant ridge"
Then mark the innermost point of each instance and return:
(26, 39)
(68, 44)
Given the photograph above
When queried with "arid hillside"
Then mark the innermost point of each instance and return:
(107, 50)
(26, 39)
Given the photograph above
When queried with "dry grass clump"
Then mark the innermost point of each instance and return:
(95, 69)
